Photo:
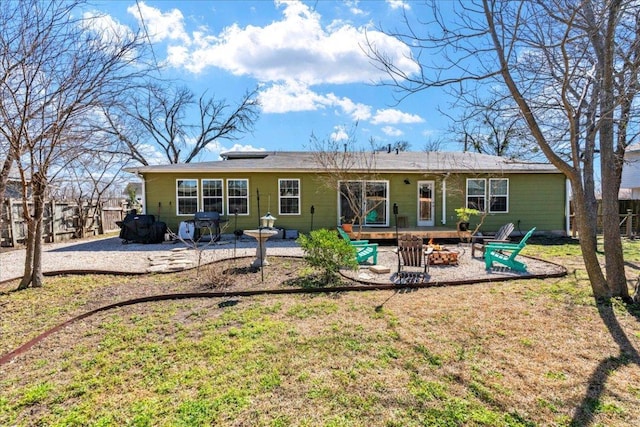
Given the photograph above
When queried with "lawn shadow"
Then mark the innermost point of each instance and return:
(587, 409)
(312, 281)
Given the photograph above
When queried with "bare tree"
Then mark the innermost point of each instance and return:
(491, 126)
(58, 67)
(160, 116)
(348, 169)
(571, 67)
(88, 179)
(433, 144)
(399, 145)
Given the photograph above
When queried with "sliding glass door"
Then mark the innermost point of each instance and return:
(367, 199)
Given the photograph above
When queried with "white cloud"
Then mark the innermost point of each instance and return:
(296, 47)
(295, 96)
(353, 7)
(109, 29)
(339, 134)
(160, 26)
(290, 96)
(398, 4)
(391, 131)
(392, 116)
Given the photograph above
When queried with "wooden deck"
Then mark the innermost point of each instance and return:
(389, 233)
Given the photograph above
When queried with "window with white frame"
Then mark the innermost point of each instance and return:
(289, 196)
(186, 196)
(238, 196)
(498, 195)
(496, 192)
(369, 198)
(212, 195)
(476, 193)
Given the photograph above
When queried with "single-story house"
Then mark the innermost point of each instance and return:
(296, 188)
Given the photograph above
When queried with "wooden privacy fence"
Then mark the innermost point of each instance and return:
(629, 224)
(63, 220)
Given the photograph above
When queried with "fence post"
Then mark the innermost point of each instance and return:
(52, 206)
(12, 225)
(629, 223)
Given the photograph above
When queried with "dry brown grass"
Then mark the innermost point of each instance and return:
(513, 353)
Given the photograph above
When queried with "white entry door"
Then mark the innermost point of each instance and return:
(426, 204)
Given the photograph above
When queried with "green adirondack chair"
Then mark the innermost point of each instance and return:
(505, 253)
(346, 237)
(364, 249)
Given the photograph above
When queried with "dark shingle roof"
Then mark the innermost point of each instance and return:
(407, 162)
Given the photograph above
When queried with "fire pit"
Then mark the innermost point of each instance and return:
(443, 257)
(439, 255)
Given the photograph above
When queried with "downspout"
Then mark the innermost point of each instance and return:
(144, 193)
(444, 198)
(567, 208)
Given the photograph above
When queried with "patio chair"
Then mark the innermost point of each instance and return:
(346, 237)
(505, 253)
(410, 252)
(478, 243)
(364, 249)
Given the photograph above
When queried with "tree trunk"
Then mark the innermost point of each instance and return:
(611, 165)
(28, 259)
(33, 260)
(586, 225)
(37, 278)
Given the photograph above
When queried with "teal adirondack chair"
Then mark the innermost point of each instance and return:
(346, 237)
(505, 253)
(364, 249)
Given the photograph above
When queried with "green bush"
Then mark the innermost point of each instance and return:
(325, 250)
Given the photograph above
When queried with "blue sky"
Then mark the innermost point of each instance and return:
(306, 58)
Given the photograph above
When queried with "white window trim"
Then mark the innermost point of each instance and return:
(248, 196)
(364, 197)
(280, 197)
(488, 203)
(466, 200)
(209, 197)
(183, 197)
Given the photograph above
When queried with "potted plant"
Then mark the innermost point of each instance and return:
(464, 214)
(347, 224)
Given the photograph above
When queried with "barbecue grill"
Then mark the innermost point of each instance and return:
(141, 229)
(210, 220)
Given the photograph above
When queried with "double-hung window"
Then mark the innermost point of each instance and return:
(238, 196)
(476, 193)
(498, 195)
(494, 194)
(289, 196)
(187, 196)
(212, 195)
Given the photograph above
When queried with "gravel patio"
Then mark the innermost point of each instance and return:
(110, 255)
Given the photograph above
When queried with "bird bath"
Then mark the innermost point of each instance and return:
(261, 235)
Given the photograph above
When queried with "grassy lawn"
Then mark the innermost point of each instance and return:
(518, 353)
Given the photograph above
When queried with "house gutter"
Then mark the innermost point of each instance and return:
(444, 199)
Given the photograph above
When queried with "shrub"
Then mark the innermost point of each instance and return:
(325, 250)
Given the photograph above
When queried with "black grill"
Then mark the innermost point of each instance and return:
(210, 220)
(141, 229)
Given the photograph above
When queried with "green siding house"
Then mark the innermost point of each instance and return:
(426, 187)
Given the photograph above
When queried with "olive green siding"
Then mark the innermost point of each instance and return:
(534, 200)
